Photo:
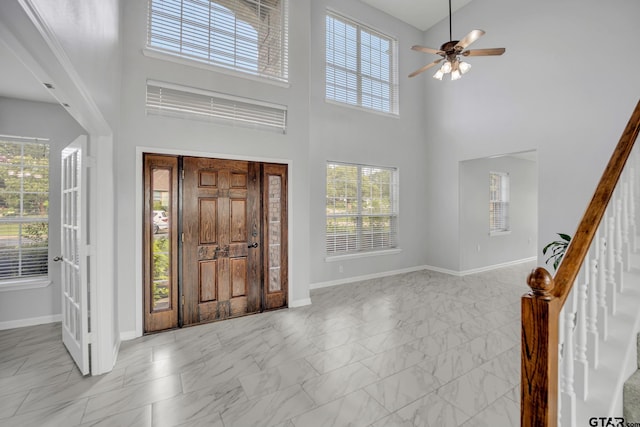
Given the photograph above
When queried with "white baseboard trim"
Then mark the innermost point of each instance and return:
(20, 323)
(417, 268)
(496, 266)
(300, 303)
(443, 270)
(480, 269)
(366, 277)
(128, 335)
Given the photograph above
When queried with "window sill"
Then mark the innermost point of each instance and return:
(364, 109)
(24, 284)
(499, 233)
(157, 54)
(334, 258)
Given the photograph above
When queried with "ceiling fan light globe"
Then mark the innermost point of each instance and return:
(446, 67)
(455, 75)
(438, 75)
(464, 67)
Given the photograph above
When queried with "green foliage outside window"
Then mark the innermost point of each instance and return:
(24, 205)
(161, 268)
(360, 208)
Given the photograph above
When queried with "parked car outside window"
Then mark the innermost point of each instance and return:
(160, 222)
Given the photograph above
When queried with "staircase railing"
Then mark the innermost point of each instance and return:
(564, 325)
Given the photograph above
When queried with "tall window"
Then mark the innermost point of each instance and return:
(24, 203)
(361, 65)
(362, 208)
(498, 202)
(244, 35)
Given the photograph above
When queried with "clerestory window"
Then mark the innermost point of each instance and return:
(249, 36)
(361, 65)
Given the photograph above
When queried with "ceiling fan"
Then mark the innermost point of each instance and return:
(451, 52)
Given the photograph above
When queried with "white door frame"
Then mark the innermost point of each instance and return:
(139, 201)
(34, 43)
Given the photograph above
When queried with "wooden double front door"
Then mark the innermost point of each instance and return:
(215, 239)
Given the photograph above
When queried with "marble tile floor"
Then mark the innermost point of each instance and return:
(416, 349)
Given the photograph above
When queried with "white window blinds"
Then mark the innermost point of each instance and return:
(362, 208)
(498, 202)
(245, 35)
(167, 99)
(361, 65)
(24, 205)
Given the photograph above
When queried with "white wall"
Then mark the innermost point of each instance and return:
(317, 132)
(38, 119)
(478, 248)
(560, 88)
(345, 134)
(546, 93)
(208, 139)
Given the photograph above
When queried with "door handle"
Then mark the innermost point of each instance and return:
(255, 245)
(58, 258)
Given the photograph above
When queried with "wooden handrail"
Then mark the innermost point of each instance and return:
(541, 307)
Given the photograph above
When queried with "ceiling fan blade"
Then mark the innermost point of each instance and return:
(468, 39)
(426, 67)
(427, 50)
(484, 52)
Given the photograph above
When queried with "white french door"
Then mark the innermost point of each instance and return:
(75, 313)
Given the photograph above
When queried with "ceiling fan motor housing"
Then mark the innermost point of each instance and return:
(449, 47)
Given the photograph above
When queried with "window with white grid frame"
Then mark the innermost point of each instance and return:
(498, 202)
(249, 36)
(361, 208)
(24, 204)
(361, 65)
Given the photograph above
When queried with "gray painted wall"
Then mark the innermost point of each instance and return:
(478, 248)
(208, 139)
(345, 134)
(560, 102)
(547, 92)
(38, 119)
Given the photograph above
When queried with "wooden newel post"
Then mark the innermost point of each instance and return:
(539, 370)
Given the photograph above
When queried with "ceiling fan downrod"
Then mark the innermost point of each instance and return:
(450, 30)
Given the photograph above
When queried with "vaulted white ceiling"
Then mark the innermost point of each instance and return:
(422, 14)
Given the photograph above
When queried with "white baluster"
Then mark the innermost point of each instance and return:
(592, 317)
(582, 363)
(561, 355)
(632, 211)
(604, 270)
(617, 239)
(611, 269)
(568, 395)
(626, 244)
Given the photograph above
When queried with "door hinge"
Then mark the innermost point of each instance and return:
(182, 237)
(182, 173)
(182, 299)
